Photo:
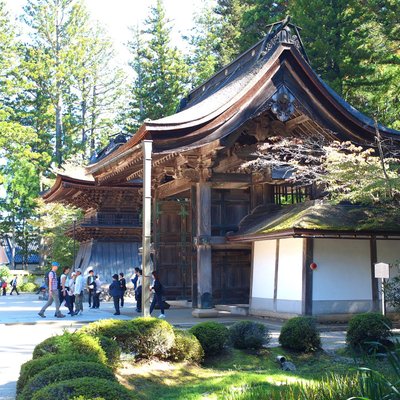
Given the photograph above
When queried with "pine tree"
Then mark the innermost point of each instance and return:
(161, 72)
(204, 41)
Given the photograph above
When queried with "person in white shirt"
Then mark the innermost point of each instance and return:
(78, 292)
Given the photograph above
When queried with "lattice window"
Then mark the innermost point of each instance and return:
(290, 194)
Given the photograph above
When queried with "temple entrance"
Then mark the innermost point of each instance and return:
(173, 247)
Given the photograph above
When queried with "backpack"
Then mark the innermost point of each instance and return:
(46, 278)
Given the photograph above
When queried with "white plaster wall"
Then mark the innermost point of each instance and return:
(344, 270)
(388, 251)
(290, 276)
(264, 269)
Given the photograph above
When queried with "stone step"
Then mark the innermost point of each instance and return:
(233, 309)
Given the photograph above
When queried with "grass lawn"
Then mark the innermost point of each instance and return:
(225, 374)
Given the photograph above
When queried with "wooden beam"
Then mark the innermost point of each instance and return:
(173, 187)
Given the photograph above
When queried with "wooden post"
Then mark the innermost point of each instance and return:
(203, 233)
(146, 220)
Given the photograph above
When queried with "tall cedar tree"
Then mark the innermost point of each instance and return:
(161, 72)
(20, 162)
(204, 41)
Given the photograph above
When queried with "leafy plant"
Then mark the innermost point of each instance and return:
(70, 343)
(186, 347)
(366, 328)
(88, 387)
(33, 367)
(65, 371)
(249, 335)
(301, 334)
(212, 336)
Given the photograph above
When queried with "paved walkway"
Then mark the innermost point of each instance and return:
(21, 329)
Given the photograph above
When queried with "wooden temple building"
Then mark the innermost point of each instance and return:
(216, 229)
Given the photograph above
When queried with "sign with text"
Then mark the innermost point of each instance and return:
(382, 270)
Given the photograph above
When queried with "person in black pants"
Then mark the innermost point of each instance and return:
(138, 291)
(91, 286)
(157, 288)
(115, 292)
(14, 283)
(122, 282)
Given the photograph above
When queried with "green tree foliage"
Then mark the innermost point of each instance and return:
(354, 46)
(204, 43)
(161, 73)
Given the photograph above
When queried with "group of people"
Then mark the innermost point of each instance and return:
(13, 284)
(69, 288)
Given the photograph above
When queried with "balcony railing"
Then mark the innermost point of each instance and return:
(110, 219)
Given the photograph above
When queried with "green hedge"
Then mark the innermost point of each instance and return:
(68, 343)
(301, 334)
(249, 335)
(186, 348)
(145, 337)
(112, 350)
(88, 387)
(28, 287)
(33, 367)
(212, 336)
(369, 327)
(65, 371)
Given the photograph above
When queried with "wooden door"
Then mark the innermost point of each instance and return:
(231, 276)
(173, 244)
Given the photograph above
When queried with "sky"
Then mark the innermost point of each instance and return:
(118, 15)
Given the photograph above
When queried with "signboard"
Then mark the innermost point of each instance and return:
(382, 270)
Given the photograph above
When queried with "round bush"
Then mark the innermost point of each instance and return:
(112, 350)
(153, 338)
(33, 367)
(88, 387)
(118, 330)
(186, 348)
(369, 327)
(300, 333)
(68, 343)
(65, 371)
(249, 335)
(211, 335)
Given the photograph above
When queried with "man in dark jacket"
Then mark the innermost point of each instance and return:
(115, 292)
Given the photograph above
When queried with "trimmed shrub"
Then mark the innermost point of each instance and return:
(119, 330)
(68, 343)
(112, 350)
(33, 367)
(153, 338)
(368, 327)
(88, 387)
(65, 371)
(28, 287)
(186, 348)
(211, 335)
(249, 335)
(300, 333)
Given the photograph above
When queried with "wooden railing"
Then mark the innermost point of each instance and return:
(112, 219)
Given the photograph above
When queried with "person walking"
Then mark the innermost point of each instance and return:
(138, 291)
(13, 284)
(78, 292)
(122, 282)
(64, 287)
(4, 287)
(70, 293)
(157, 288)
(91, 287)
(96, 297)
(53, 293)
(115, 292)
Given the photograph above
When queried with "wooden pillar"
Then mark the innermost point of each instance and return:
(203, 236)
(374, 281)
(308, 258)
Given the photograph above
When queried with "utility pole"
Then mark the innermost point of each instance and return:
(146, 228)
